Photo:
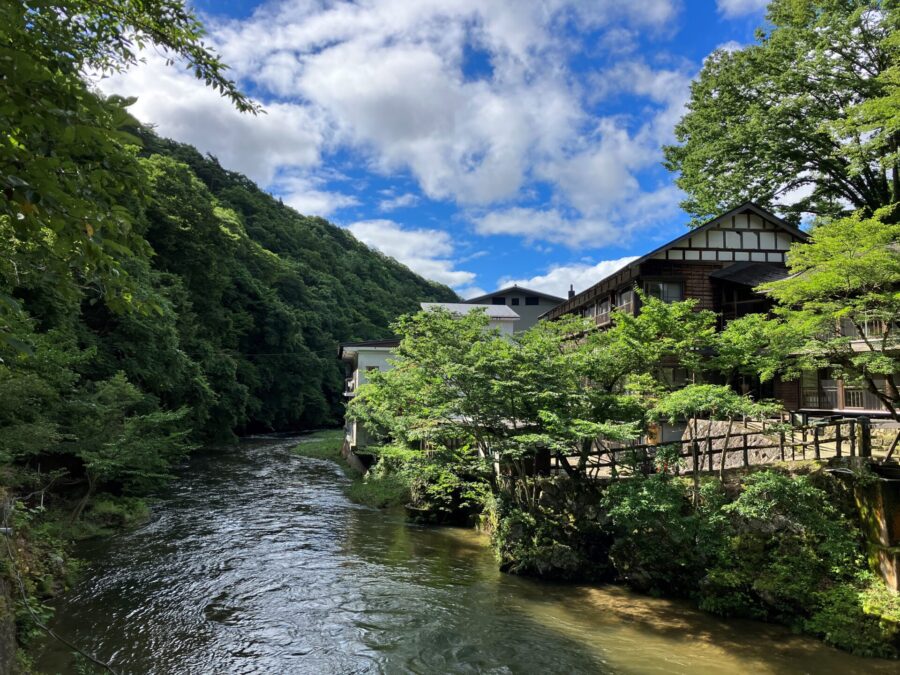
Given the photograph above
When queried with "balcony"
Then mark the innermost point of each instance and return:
(350, 387)
(827, 398)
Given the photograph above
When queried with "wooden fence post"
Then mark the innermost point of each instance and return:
(865, 437)
(838, 438)
(803, 447)
(816, 442)
(781, 444)
(853, 439)
(746, 453)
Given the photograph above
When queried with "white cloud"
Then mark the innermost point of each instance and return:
(385, 80)
(403, 201)
(560, 277)
(469, 292)
(180, 107)
(730, 46)
(735, 8)
(424, 251)
(304, 193)
(616, 226)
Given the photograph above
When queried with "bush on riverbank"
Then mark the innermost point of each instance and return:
(555, 529)
(383, 486)
(777, 550)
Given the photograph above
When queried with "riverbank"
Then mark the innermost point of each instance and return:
(255, 561)
(382, 490)
(39, 565)
(779, 544)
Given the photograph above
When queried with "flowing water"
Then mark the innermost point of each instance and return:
(256, 562)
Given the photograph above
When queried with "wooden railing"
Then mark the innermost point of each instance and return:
(765, 445)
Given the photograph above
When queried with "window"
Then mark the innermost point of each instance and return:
(624, 300)
(667, 291)
(531, 299)
(674, 377)
(498, 300)
(603, 311)
(514, 301)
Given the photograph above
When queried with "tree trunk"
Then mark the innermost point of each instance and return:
(76, 514)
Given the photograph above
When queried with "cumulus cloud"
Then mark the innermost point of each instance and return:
(425, 251)
(580, 275)
(618, 225)
(385, 83)
(391, 203)
(735, 8)
(180, 107)
(306, 194)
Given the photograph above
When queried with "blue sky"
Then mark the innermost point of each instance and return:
(477, 141)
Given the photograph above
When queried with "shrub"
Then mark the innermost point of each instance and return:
(784, 544)
(562, 534)
(661, 543)
(861, 617)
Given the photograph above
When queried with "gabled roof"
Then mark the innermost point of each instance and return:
(500, 312)
(386, 343)
(746, 206)
(514, 287)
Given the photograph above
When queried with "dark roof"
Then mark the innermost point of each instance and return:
(750, 273)
(386, 342)
(514, 287)
(746, 206)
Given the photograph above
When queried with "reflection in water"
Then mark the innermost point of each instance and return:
(257, 563)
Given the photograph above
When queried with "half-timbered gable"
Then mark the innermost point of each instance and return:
(718, 264)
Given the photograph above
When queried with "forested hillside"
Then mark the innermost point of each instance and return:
(150, 301)
(236, 314)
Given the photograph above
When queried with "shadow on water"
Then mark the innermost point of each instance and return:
(255, 562)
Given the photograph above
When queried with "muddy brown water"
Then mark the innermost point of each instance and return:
(256, 563)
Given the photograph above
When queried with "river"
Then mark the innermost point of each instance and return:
(256, 563)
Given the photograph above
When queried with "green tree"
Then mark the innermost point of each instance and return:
(120, 435)
(455, 381)
(810, 109)
(710, 402)
(840, 306)
(70, 182)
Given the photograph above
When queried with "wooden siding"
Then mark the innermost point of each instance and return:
(788, 393)
(694, 276)
(746, 234)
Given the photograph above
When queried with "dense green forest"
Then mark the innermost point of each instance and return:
(237, 307)
(150, 300)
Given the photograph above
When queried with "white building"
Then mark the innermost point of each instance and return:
(362, 358)
(500, 317)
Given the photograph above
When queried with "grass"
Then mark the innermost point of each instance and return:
(322, 445)
(381, 492)
(376, 489)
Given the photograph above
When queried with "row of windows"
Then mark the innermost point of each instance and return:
(667, 291)
(529, 300)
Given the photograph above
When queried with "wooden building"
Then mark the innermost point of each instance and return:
(719, 264)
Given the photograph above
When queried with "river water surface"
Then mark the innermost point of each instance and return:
(256, 562)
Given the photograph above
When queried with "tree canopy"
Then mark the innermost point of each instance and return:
(806, 118)
(840, 307)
